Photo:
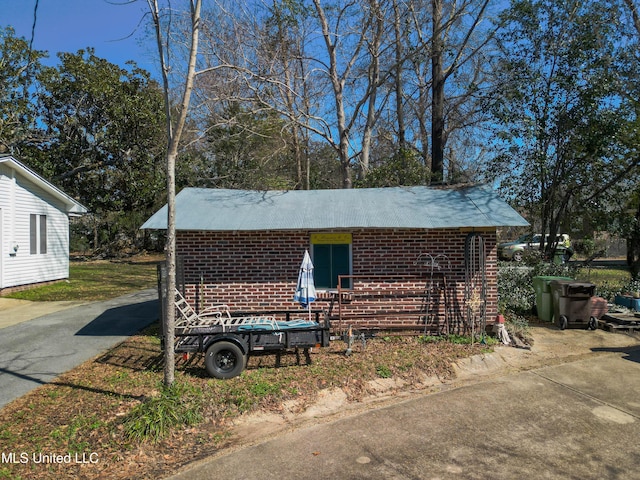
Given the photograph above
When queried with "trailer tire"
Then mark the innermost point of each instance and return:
(563, 322)
(224, 360)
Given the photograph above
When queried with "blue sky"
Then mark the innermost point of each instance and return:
(69, 25)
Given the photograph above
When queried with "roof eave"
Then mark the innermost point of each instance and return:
(71, 205)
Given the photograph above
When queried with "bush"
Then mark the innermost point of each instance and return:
(515, 283)
(584, 246)
(515, 289)
(175, 406)
(632, 287)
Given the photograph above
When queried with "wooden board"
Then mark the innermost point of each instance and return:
(619, 322)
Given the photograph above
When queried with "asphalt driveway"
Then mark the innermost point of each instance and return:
(35, 352)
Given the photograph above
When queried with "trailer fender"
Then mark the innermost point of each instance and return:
(240, 342)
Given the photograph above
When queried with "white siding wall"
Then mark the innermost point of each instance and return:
(20, 198)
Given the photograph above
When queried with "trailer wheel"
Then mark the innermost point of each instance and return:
(224, 360)
(563, 322)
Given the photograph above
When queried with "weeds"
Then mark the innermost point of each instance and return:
(176, 406)
(456, 339)
(72, 435)
(264, 389)
(383, 371)
(518, 325)
(6, 473)
(429, 339)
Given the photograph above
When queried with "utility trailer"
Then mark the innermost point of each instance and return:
(227, 340)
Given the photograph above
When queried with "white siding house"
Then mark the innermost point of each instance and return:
(34, 227)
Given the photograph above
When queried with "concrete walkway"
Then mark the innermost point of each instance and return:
(35, 349)
(14, 311)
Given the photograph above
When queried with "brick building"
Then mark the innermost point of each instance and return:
(403, 257)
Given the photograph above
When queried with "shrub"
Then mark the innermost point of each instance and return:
(515, 283)
(383, 371)
(584, 246)
(631, 287)
(515, 288)
(175, 406)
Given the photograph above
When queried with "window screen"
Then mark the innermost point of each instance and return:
(43, 234)
(37, 234)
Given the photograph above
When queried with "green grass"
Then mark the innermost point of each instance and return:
(608, 281)
(383, 371)
(95, 280)
(615, 275)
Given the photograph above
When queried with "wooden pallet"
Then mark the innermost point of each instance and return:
(619, 322)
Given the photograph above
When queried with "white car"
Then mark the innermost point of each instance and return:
(515, 250)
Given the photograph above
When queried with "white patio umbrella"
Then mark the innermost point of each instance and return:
(305, 289)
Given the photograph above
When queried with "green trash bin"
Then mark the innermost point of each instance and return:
(544, 297)
(558, 256)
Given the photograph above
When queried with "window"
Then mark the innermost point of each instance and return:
(37, 234)
(331, 257)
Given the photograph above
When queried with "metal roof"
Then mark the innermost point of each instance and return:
(71, 205)
(397, 207)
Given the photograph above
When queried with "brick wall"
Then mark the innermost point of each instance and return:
(259, 270)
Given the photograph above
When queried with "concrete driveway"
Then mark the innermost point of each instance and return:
(578, 417)
(34, 351)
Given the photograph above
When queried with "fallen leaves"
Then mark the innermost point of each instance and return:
(82, 411)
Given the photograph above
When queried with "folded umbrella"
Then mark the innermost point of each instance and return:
(305, 289)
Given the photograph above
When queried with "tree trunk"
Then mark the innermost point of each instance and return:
(633, 247)
(402, 135)
(373, 80)
(345, 167)
(170, 252)
(437, 99)
(174, 134)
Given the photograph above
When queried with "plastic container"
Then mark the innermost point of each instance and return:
(599, 307)
(628, 301)
(572, 304)
(544, 300)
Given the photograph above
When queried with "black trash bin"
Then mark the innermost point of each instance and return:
(572, 304)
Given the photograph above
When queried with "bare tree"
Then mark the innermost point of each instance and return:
(327, 69)
(338, 70)
(374, 81)
(398, 39)
(285, 49)
(452, 44)
(175, 127)
(319, 69)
